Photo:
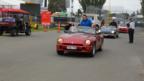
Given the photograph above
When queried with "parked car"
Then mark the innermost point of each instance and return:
(110, 31)
(84, 40)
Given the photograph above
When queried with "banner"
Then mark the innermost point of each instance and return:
(46, 18)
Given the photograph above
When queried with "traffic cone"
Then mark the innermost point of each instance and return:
(59, 29)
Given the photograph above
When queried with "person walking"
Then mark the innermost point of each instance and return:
(131, 29)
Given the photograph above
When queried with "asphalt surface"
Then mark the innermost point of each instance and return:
(34, 58)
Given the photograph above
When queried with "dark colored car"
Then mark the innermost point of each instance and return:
(83, 40)
(110, 31)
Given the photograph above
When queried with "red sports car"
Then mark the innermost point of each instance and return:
(123, 29)
(84, 40)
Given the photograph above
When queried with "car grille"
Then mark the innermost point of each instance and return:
(72, 44)
(106, 33)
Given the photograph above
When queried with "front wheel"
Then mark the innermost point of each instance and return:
(100, 49)
(13, 32)
(60, 52)
(1, 33)
(93, 51)
(117, 36)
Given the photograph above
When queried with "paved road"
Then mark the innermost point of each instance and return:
(34, 59)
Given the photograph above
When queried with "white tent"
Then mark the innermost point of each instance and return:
(13, 3)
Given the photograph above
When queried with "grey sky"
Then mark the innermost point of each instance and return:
(119, 5)
(127, 5)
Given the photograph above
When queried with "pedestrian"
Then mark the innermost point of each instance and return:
(131, 29)
(85, 21)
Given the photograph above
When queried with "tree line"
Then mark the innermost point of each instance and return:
(59, 5)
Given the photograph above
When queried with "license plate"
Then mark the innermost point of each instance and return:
(106, 34)
(72, 47)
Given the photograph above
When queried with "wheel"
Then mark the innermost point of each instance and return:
(13, 32)
(1, 33)
(100, 49)
(115, 36)
(93, 51)
(60, 52)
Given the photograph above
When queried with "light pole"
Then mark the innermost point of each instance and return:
(72, 7)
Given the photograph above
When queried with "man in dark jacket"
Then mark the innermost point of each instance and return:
(113, 23)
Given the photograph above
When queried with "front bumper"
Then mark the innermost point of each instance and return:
(123, 30)
(79, 49)
(109, 35)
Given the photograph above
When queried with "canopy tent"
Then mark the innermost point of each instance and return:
(11, 3)
(13, 10)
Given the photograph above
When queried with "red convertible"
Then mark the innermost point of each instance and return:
(84, 40)
(123, 29)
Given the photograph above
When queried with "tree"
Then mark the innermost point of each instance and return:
(79, 12)
(142, 4)
(96, 3)
(56, 5)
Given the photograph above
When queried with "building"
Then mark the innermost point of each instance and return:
(43, 3)
(34, 1)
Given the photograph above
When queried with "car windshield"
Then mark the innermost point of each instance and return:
(123, 25)
(82, 29)
(108, 27)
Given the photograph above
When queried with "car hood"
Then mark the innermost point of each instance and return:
(123, 27)
(75, 38)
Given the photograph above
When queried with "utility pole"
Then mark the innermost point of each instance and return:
(109, 13)
(72, 7)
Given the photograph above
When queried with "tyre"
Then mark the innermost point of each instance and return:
(13, 32)
(100, 49)
(115, 36)
(93, 51)
(1, 33)
(60, 52)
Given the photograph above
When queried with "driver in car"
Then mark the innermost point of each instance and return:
(85, 21)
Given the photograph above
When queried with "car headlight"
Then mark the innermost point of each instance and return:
(113, 32)
(87, 42)
(99, 31)
(60, 40)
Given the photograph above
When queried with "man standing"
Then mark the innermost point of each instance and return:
(85, 21)
(131, 28)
